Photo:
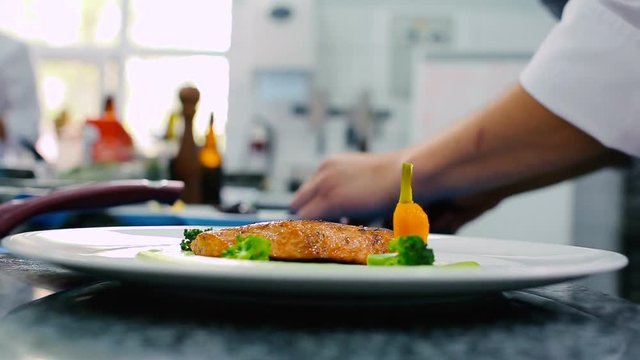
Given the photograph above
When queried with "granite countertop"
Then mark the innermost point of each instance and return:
(50, 313)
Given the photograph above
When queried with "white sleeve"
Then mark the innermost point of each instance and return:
(587, 71)
(21, 114)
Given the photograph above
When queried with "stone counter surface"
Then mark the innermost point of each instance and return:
(78, 317)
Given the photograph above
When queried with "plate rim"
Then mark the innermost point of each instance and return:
(18, 245)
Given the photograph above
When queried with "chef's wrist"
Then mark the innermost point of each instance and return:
(426, 182)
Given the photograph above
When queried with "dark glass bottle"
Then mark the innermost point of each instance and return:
(211, 163)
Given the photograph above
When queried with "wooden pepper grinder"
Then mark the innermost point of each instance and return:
(186, 165)
(3, 134)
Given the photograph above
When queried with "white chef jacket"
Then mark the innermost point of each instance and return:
(587, 71)
(19, 106)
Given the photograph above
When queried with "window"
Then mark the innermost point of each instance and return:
(140, 51)
(181, 24)
(151, 87)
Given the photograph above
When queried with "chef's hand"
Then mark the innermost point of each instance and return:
(354, 185)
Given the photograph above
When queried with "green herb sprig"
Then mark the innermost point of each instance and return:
(190, 235)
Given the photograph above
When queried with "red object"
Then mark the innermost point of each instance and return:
(113, 144)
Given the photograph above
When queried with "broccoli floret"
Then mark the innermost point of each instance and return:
(190, 235)
(406, 250)
(250, 247)
(412, 251)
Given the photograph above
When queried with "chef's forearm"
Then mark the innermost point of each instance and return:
(507, 142)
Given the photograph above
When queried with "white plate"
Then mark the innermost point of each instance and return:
(504, 265)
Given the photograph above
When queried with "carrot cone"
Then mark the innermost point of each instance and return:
(408, 217)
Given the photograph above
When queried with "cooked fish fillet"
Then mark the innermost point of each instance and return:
(302, 240)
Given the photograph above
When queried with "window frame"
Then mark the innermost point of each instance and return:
(119, 53)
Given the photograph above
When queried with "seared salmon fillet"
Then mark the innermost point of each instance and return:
(302, 240)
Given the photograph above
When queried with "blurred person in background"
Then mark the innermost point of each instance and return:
(19, 106)
(575, 109)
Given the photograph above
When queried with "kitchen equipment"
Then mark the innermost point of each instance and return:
(87, 196)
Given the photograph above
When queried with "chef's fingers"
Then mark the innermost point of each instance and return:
(319, 207)
(305, 193)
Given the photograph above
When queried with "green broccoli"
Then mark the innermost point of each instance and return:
(250, 247)
(405, 250)
(190, 235)
(388, 259)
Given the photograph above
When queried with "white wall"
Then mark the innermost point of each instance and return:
(598, 212)
(259, 44)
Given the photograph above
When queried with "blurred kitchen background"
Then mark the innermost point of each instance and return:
(293, 81)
